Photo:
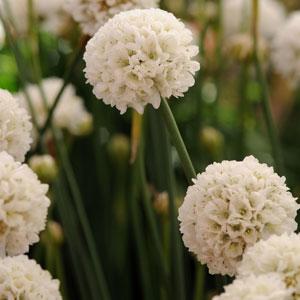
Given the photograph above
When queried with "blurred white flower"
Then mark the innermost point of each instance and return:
(264, 287)
(231, 206)
(23, 206)
(278, 254)
(51, 14)
(92, 14)
(70, 113)
(53, 17)
(44, 166)
(239, 47)
(139, 56)
(285, 53)
(237, 17)
(15, 127)
(23, 278)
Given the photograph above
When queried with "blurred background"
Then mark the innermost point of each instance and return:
(109, 219)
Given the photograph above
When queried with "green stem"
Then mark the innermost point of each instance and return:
(177, 140)
(273, 136)
(138, 235)
(151, 219)
(21, 67)
(67, 166)
(199, 283)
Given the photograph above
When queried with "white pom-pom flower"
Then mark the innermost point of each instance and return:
(70, 113)
(231, 206)
(92, 14)
(278, 254)
(23, 278)
(52, 15)
(139, 56)
(15, 127)
(285, 53)
(23, 206)
(271, 17)
(264, 287)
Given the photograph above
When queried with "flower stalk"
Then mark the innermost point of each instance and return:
(273, 136)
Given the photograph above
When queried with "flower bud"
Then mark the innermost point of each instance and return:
(161, 203)
(119, 149)
(86, 125)
(211, 139)
(44, 166)
(55, 232)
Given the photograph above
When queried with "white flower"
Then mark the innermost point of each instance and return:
(278, 254)
(23, 278)
(53, 17)
(15, 127)
(237, 16)
(17, 11)
(44, 166)
(51, 13)
(139, 56)
(70, 114)
(285, 53)
(23, 206)
(92, 14)
(264, 287)
(230, 207)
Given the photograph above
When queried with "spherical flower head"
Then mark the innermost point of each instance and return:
(277, 254)
(139, 56)
(231, 206)
(23, 278)
(271, 17)
(285, 53)
(264, 287)
(70, 113)
(44, 166)
(15, 127)
(92, 14)
(23, 206)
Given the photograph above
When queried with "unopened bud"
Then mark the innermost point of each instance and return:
(119, 149)
(211, 139)
(44, 166)
(55, 232)
(161, 203)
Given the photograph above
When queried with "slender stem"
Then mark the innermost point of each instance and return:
(67, 76)
(151, 219)
(265, 94)
(81, 212)
(138, 235)
(177, 140)
(199, 283)
(21, 67)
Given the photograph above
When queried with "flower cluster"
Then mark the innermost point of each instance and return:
(70, 114)
(92, 14)
(15, 127)
(139, 56)
(272, 16)
(23, 278)
(285, 53)
(23, 206)
(230, 207)
(264, 287)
